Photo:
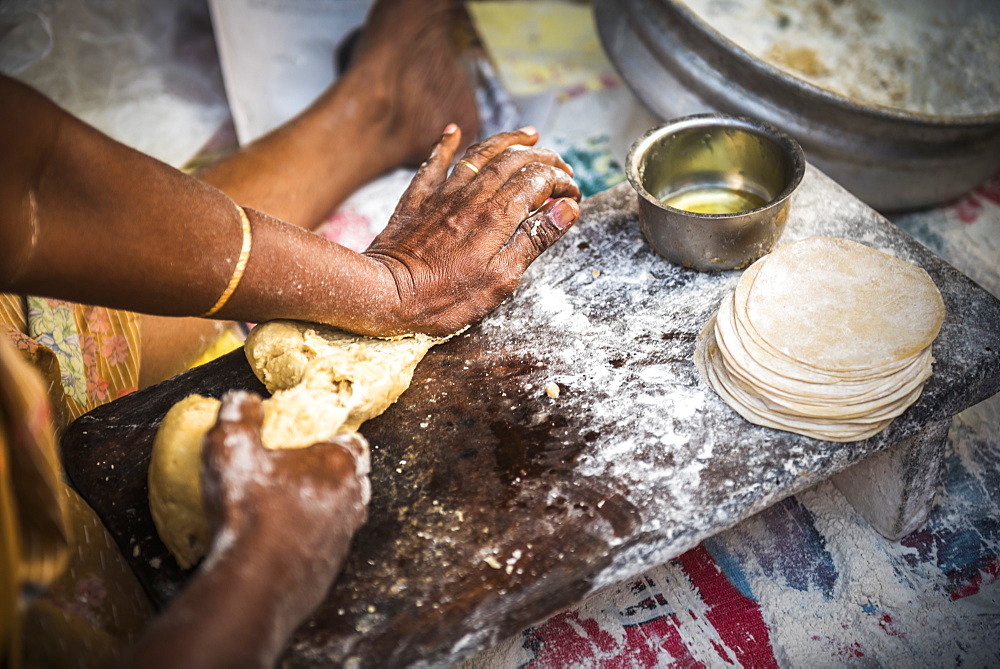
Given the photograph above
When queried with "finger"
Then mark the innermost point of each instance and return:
(479, 155)
(230, 453)
(468, 165)
(357, 446)
(516, 158)
(530, 187)
(432, 173)
(236, 429)
(343, 455)
(535, 234)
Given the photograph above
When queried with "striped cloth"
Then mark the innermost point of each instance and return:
(67, 597)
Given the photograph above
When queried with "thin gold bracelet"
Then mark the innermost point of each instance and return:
(241, 266)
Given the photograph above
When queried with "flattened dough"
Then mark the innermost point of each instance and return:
(323, 381)
(812, 297)
(823, 337)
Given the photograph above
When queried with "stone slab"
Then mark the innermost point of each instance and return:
(495, 505)
(894, 489)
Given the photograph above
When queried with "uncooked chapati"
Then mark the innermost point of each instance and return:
(824, 337)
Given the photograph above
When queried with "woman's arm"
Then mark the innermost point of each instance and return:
(282, 522)
(93, 221)
(406, 81)
(87, 219)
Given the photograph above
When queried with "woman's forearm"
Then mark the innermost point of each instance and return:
(87, 219)
(90, 220)
(238, 611)
(293, 273)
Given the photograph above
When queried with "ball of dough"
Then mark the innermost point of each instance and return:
(175, 478)
(294, 418)
(324, 382)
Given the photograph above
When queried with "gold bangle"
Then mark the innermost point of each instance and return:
(241, 265)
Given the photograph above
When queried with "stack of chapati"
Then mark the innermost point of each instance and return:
(824, 337)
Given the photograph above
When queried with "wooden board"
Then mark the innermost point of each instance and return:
(495, 505)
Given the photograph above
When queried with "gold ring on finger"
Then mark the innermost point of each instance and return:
(475, 170)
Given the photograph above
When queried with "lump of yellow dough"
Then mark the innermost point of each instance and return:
(175, 478)
(294, 418)
(323, 381)
(367, 374)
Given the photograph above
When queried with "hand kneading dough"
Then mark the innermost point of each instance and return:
(323, 381)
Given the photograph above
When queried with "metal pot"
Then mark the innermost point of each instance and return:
(891, 159)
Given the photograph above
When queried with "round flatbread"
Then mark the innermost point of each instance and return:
(796, 345)
(834, 304)
(824, 397)
(754, 411)
(781, 362)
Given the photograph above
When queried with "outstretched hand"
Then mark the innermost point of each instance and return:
(458, 243)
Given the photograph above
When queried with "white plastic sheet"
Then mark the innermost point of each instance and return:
(144, 72)
(277, 55)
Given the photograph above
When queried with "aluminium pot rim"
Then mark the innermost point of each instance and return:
(720, 45)
(892, 159)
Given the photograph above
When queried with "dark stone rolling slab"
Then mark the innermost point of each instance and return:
(495, 505)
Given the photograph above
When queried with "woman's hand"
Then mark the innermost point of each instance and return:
(457, 245)
(308, 501)
(282, 522)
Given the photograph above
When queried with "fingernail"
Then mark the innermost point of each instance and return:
(529, 130)
(450, 129)
(563, 213)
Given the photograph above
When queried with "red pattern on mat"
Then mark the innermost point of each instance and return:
(969, 207)
(660, 632)
(737, 618)
(568, 640)
(571, 640)
(989, 573)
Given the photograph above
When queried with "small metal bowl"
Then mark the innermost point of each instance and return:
(713, 190)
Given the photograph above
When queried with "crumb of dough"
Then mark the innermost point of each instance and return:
(552, 390)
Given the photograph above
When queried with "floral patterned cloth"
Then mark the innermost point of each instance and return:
(89, 355)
